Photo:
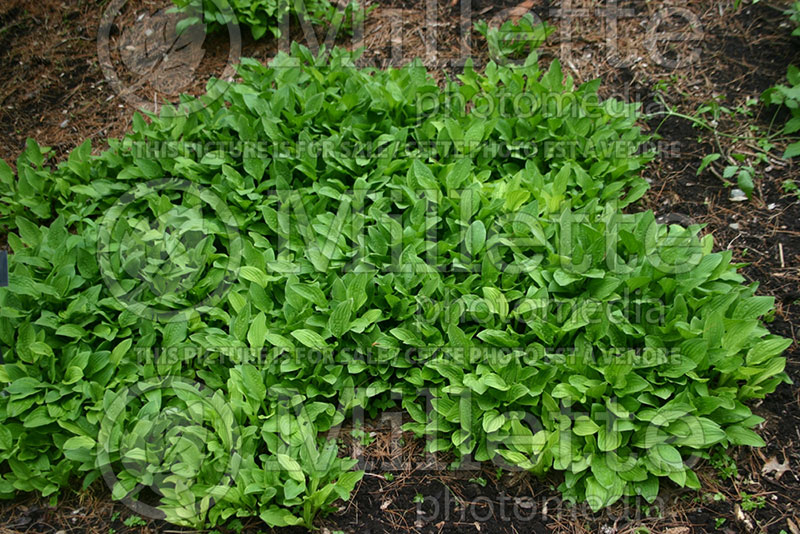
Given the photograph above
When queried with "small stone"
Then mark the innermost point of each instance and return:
(64, 123)
(771, 206)
(737, 195)
(735, 226)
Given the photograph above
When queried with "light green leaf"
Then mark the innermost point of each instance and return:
(339, 320)
(310, 339)
(257, 334)
(476, 237)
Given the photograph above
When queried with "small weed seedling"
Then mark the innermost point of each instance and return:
(752, 502)
(134, 521)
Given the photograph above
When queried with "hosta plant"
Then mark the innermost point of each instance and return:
(262, 16)
(206, 302)
(514, 39)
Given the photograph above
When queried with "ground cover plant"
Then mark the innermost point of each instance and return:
(263, 16)
(514, 39)
(789, 95)
(320, 239)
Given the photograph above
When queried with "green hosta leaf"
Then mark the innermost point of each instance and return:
(291, 466)
(667, 458)
(460, 436)
(73, 374)
(279, 340)
(648, 489)
(697, 432)
(279, 517)
(457, 176)
(28, 232)
(339, 320)
(255, 275)
(347, 483)
(597, 495)
(608, 440)
(498, 338)
(174, 333)
(253, 383)
(120, 351)
(495, 382)
(311, 293)
(766, 349)
(584, 426)
(497, 301)
(424, 176)
(740, 435)
(493, 421)
(257, 334)
(476, 237)
(6, 438)
(37, 418)
(6, 174)
(80, 442)
(310, 339)
(407, 336)
(71, 330)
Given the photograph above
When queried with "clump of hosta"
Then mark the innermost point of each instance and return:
(225, 287)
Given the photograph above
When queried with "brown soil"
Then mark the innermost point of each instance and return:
(53, 89)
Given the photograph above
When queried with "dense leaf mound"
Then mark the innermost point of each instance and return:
(196, 311)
